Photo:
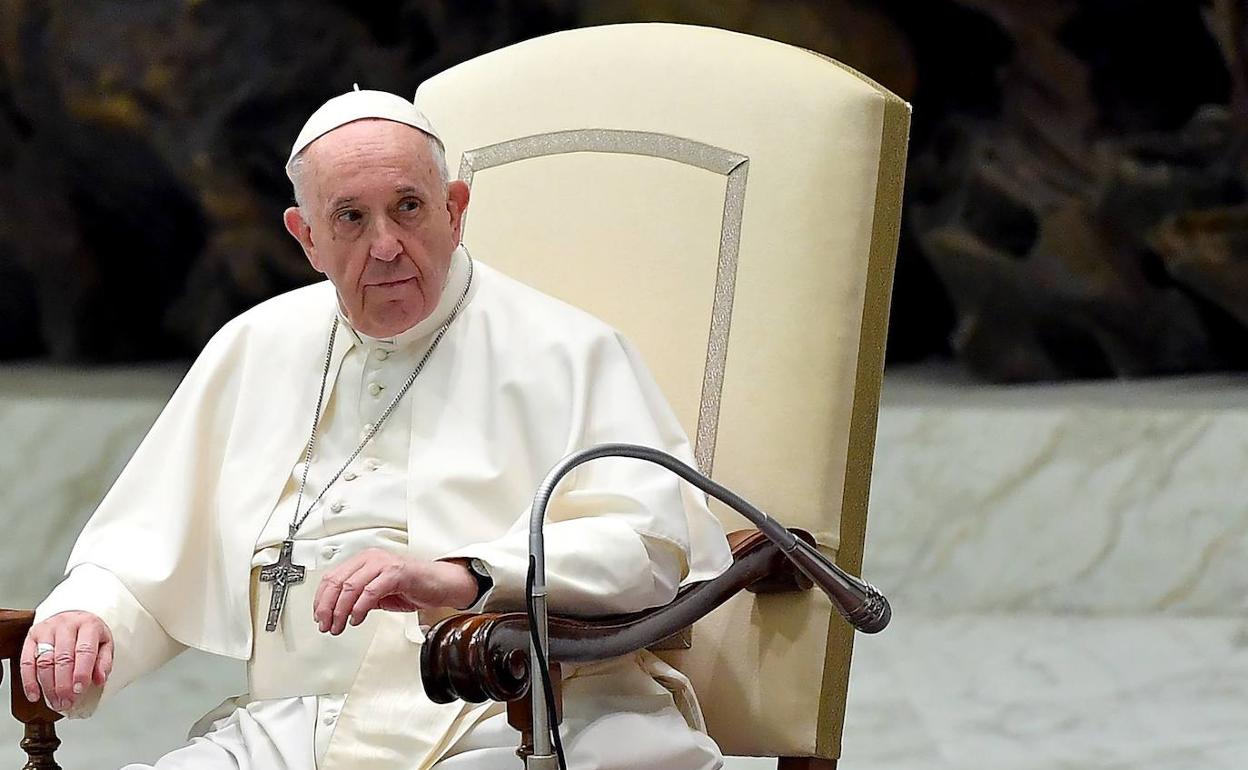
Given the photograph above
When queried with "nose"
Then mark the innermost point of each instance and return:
(384, 245)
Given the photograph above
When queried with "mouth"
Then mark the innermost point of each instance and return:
(399, 282)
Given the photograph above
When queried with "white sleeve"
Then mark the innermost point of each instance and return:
(621, 534)
(593, 567)
(140, 644)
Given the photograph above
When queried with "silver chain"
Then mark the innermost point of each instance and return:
(298, 520)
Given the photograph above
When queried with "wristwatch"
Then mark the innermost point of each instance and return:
(482, 574)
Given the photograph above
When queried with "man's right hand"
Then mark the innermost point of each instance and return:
(82, 655)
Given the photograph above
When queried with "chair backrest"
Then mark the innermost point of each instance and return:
(732, 205)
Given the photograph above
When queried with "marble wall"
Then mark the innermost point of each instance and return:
(68, 433)
(1090, 499)
(1068, 567)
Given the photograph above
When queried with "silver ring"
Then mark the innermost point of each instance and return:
(43, 648)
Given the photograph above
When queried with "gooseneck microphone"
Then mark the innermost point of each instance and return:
(858, 602)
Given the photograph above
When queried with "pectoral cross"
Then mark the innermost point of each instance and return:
(283, 574)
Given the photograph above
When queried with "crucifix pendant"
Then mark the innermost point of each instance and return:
(283, 574)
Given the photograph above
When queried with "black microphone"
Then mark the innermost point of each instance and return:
(857, 601)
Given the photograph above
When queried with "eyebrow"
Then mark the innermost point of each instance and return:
(338, 203)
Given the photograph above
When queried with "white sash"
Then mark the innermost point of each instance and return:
(388, 722)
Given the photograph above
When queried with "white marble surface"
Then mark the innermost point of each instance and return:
(1069, 568)
(67, 436)
(1111, 499)
(1018, 692)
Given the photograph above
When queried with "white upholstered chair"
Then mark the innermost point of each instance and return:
(732, 205)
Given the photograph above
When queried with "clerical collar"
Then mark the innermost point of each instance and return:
(456, 278)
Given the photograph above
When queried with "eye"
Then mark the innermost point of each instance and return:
(408, 205)
(349, 215)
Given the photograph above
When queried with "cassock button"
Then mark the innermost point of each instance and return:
(380, 354)
(349, 476)
(337, 506)
(329, 719)
(329, 552)
(373, 388)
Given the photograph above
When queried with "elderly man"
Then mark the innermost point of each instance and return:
(348, 461)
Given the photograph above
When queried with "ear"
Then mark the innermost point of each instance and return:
(299, 229)
(457, 204)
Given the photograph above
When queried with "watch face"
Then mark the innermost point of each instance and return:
(484, 581)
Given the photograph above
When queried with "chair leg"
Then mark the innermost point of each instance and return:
(805, 763)
(40, 742)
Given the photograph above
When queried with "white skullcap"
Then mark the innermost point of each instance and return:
(359, 105)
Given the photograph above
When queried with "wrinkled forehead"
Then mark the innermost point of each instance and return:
(370, 152)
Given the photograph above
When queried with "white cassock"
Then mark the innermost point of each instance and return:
(170, 559)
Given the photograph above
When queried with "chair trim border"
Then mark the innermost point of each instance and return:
(732, 165)
(869, 375)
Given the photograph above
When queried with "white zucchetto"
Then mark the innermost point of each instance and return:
(359, 105)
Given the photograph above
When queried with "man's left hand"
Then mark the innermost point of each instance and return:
(378, 579)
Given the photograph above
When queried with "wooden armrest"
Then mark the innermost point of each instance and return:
(478, 657)
(13, 627)
(40, 741)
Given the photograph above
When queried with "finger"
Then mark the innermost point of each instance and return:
(331, 585)
(30, 685)
(63, 668)
(348, 568)
(351, 589)
(319, 597)
(330, 590)
(327, 597)
(104, 663)
(372, 595)
(86, 650)
(45, 666)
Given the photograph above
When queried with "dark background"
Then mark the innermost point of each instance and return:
(1076, 199)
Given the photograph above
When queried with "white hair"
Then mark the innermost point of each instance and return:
(297, 166)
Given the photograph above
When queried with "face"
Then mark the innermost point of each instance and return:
(378, 222)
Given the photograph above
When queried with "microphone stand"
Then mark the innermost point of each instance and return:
(857, 601)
